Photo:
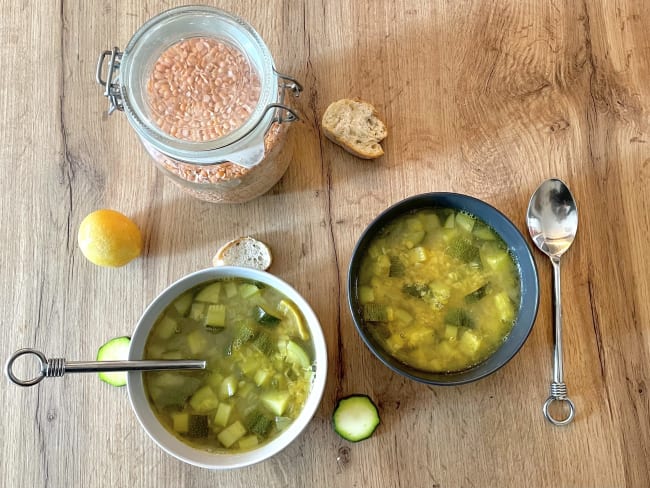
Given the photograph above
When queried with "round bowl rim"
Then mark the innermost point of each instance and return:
(532, 288)
(221, 461)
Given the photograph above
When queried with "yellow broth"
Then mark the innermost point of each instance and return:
(259, 365)
(438, 290)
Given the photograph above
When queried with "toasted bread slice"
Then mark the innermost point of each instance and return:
(246, 252)
(354, 125)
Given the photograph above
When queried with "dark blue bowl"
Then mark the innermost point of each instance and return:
(527, 272)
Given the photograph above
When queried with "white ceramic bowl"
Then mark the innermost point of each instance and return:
(164, 438)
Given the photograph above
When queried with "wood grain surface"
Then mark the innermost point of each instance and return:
(480, 97)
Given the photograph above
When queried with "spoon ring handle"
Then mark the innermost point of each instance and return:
(558, 394)
(53, 367)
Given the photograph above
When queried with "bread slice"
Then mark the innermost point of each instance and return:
(246, 252)
(354, 125)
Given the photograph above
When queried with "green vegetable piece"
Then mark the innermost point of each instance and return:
(167, 327)
(264, 343)
(484, 232)
(258, 423)
(355, 418)
(171, 389)
(450, 221)
(228, 387)
(230, 288)
(276, 401)
(198, 426)
(463, 249)
(417, 290)
(459, 317)
(197, 311)
(183, 303)
(477, 294)
(375, 312)
(223, 414)
(181, 422)
(245, 332)
(210, 293)
(114, 350)
(282, 423)
(231, 434)
(247, 290)
(397, 268)
(366, 294)
(248, 442)
(265, 317)
(197, 342)
(297, 355)
(262, 377)
(465, 221)
(204, 400)
(216, 316)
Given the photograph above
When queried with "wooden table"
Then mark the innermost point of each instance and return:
(484, 98)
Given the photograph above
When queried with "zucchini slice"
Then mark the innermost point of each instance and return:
(114, 350)
(355, 418)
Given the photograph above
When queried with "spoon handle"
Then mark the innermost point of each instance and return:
(558, 388)
(58, 366)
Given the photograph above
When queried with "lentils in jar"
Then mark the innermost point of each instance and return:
(201, 89)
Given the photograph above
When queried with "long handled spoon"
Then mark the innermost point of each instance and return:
(552, 220)
(59, 366)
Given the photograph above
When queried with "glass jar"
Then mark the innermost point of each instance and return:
(199, 87)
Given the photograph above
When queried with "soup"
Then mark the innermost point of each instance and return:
(259, 365)
(438, 290)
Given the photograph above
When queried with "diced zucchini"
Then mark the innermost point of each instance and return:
(198, 426)
(416, 290)
(450, 221)
(366, 294)
(181, 422)
(204, 400)
(245, 332)
(355, 418)
(397, 268)
(451, 332)
(197, 342)
(414, 224)
(264, 343)
(504, 306)
(418, 254)
(171, 389)
(228, 387)
(231, 434)
(477, 294)
(282, 423)
(222, 416)
(431, 221)
(215, 379)
(258, 423)
(247, 290)
(463, 249)
(376, 312)
(230, 287)
(484, 232)
(210, 293)
(276, 401)
(412, 239)
(167, 327)
(297, 355)
(216, 316)
(248, 442)
(465, 221)
(183, 303)
(469, 342)
(197, 312)
(265, 317)
(438, 296)
(262, 377)
(459, 317)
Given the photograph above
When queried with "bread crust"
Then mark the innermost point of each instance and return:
(354, 125)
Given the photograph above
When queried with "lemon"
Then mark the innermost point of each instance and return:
(294, 317)
(109, 238)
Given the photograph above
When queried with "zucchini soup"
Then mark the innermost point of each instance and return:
(438, 290)
(259, 365)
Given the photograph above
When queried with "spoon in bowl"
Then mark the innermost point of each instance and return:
(59, 366)
(552, 220)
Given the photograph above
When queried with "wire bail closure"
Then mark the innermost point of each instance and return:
(112, 91)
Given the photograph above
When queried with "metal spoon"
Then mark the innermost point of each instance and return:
(552, 220)
(59, 366)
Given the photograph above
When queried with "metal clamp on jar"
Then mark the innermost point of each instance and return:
(200, 89)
